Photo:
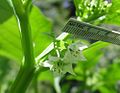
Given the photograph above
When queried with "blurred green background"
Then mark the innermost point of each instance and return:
(99, 75)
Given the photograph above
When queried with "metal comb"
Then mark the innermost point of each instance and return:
(88, 31)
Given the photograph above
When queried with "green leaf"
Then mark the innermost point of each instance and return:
(112, 73)
(89, 52)
(41, 30)
(5, 11)
(113, 16)
(104, 89)
(10, 44)
(94, 53)
(10, 40)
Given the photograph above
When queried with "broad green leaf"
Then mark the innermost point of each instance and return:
(41, 30)
(10, 40)
(94, 53)
(10, 44)
(5, 11)
(113, 16)
(93, 49)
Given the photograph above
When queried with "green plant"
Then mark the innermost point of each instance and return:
(27, 44)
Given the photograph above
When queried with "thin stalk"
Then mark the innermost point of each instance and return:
(57, 84)
(62, 36)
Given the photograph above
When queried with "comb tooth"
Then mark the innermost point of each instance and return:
(110, 40)
(86, 35)
(103, 38)
(72, 30)
(76, 30)
(113, 38)
(69, 29)
(91, 35)
(70, 26)
(79, 32)
(117, 42)
(65, 29)
(94, 37)
(114, 41)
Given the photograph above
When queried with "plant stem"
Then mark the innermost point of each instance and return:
(27, 69)
(35, 82)
(57, 84)
(22, 81)
(26, 39)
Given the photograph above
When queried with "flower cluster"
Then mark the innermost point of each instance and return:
(72, 54)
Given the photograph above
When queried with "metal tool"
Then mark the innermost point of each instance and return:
(88, 31)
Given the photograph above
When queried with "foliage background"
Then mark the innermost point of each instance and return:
(100, 74)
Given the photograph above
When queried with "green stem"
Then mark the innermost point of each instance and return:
(36, 86)
(27, 69)
(26, 39)
(35, 81)
(62, 36)
(57, 84)
(22, 81)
